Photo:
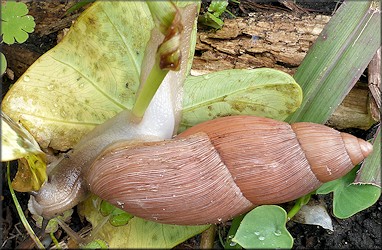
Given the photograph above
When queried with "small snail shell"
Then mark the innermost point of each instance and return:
(222, 168)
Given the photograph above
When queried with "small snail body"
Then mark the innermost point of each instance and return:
(66, 186)
(222, 168)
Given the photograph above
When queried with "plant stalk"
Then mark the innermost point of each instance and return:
(153, 82)
(21, 214)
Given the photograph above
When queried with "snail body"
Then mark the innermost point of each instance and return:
(66, 186)
(222, 168)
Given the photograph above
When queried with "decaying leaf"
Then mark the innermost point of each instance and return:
(17, 143)
(31, 174)
(314, 213)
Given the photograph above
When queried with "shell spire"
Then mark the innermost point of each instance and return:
(331, 153)
(357, 149)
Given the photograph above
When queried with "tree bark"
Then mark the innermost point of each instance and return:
(273, 40)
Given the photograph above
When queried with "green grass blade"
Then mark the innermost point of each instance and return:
(337, 59)
(152, 84)
(78, 6)
(28, 228)
(370, 172)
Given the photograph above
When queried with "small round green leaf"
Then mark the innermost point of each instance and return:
(15, 23)
(96, 244)
(118, 217)
(3, 63)
(106, 208)
(350, 198)
(264, 227)
(218, 7)
(138, 233)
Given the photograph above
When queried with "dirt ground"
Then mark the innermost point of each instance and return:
(362, 231)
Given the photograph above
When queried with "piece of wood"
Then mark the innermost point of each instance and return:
(50, 16)
(276, 40)
(374, 78)
(354, 111)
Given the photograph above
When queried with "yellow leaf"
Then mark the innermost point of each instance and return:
(138, 233)
(31, 173)
(16, 141)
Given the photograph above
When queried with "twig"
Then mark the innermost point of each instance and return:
(208, 238)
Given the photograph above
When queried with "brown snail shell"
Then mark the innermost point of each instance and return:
(222, 168)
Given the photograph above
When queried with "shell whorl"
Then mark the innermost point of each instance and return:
(172, 182)
(263, 157)
(330, 153)
(222, 168)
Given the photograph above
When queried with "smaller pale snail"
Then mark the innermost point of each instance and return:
(66, 187)
(222, 168)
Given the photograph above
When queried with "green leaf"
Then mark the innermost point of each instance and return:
(350, 198)
(138, 233)
(209, 19)
(217, 7)
(337, 59)
(106, 208)
(96, 244)
(78, 5)
(3, 63)
(328, 72)
(262, 92)
(15, 23)
(117, 217)
(264, 227)
(120, 218)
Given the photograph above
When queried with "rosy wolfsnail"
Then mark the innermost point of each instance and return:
(220, 168)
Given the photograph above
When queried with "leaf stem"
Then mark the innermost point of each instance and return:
(55, 241)
(232, 231)
(297, 206)
(149, 89)
(75, 236)
(21, 214)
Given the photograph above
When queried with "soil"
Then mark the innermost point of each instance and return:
(361, 231)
